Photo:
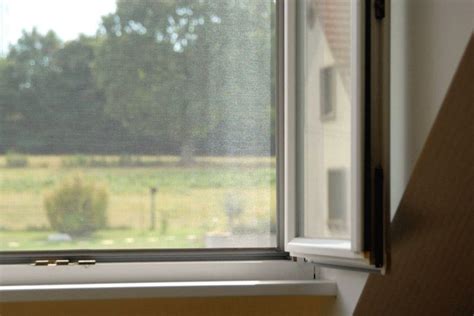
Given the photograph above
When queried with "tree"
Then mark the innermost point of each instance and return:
(27, 80)
(49, 98)
(145, 65)
(9, 113)
(180, 76)
(174, 70)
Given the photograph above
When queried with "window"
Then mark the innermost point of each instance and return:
(337, 118)
(129, 125)
(328, 93)
(158, 131)
(337, 202)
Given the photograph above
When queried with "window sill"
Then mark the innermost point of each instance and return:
(58, 292)
(25, 282)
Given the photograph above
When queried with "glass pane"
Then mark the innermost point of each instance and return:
(137, 124)
(324, 117)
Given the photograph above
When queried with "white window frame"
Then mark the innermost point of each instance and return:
(219, 278)
(334, 252)
(311, 247)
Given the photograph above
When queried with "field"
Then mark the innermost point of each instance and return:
(190, 202)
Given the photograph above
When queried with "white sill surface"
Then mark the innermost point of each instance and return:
(96, 291)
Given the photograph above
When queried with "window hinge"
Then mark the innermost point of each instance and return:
(41, 262)
(378, 243)
(62, 262)
(379, 7)
(58, 262)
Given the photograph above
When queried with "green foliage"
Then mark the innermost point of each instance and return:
(38, 240)
(130, 161)
(83, 161)
(75, 161)
(49, 99)
(171, 70)
(138, 180)
(77, 207)
(159, 76)
(123, 161)
(16, 160)
(147, 72)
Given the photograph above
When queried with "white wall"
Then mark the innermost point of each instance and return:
(428, 40)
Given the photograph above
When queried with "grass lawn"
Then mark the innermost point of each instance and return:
(191, 199)
(106, 239)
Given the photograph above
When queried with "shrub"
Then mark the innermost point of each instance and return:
(77, 207)
(130, 161)
(125, 160)
(75, 161)
(98, 162)
(16, 160)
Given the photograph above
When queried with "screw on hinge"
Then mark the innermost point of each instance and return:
(379, 7)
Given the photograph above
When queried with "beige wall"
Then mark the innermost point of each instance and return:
(428, 38)
(430, 270)
(247, 306)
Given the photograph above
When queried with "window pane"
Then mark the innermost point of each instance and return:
(324, 114)
(137, 124)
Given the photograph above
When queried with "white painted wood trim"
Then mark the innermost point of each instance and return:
(16, 293)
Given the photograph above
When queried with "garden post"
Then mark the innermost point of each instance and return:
(153, 191)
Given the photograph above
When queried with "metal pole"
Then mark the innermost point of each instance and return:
(153, 191)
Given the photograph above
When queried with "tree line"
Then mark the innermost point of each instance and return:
(181, 77)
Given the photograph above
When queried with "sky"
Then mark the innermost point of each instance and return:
(68, 18)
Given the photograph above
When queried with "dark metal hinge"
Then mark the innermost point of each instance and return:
(378, 243)
(379, 8)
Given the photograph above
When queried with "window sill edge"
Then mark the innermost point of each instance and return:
(98, 291)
